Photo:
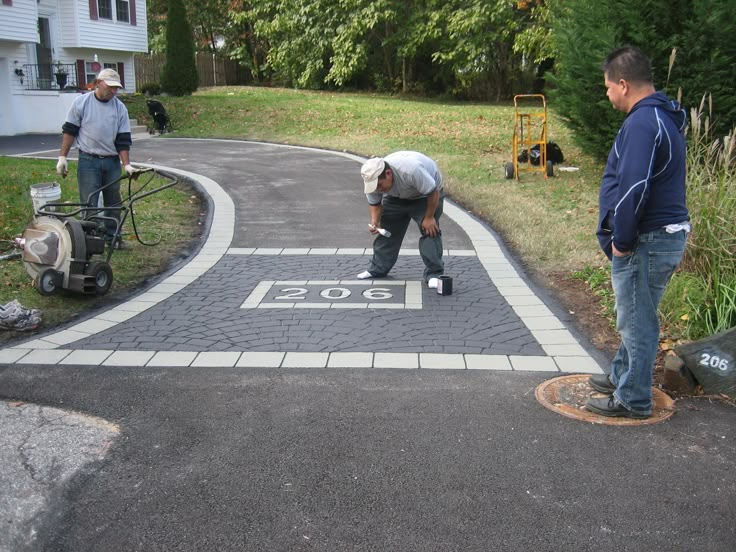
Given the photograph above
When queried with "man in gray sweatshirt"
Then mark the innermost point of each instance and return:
(98, 125)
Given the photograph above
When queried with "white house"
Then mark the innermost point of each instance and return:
(51, 50)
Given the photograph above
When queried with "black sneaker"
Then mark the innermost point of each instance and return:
(602, 384)
(607, 406)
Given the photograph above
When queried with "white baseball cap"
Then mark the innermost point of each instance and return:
(110, 77)
(370, 171)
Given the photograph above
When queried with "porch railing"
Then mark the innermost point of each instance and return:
(46, 76)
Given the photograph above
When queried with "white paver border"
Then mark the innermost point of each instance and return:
(295, 359)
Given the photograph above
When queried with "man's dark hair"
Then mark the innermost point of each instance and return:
(628, 63)
(386, 167)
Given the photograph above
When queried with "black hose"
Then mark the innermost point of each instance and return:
(11, 256)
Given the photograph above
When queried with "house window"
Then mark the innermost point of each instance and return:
(89, 73)
(123, 10)
(104, 9)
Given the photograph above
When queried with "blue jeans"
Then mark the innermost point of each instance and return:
(639, 280)
(92, 174)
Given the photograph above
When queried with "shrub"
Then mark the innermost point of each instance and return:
(682, 306)
(179, 74)
(150, 89)
(585, 32)
(711, 253)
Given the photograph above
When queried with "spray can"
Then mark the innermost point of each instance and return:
(385, 233)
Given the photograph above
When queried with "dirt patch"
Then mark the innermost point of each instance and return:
(577, 298)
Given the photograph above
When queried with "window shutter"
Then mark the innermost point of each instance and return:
(132, 13)
(121, 72)
(93, 9)
(81, 75)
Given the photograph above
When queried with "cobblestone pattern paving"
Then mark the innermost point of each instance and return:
(474, 320)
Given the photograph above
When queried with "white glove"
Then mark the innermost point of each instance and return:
(62, 167)
(129, 170)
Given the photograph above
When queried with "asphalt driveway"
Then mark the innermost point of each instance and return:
(236, 420)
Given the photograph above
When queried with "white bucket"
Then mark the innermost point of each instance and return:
(46, 192)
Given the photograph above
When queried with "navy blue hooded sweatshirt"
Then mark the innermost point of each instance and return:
(643, 186)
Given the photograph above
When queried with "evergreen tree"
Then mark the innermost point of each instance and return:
(585, 33)
(179, 74)
(706, 53)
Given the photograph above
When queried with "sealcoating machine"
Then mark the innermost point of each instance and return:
(63, 246)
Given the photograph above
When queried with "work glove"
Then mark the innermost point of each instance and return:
(62, 167)
(129, 170)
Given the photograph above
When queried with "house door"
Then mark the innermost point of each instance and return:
(43, 54)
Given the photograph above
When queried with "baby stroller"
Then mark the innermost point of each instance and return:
(161, 119)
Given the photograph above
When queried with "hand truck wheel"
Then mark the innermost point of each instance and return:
(508, 170)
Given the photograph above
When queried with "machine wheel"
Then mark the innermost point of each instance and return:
(102, 273)
(47, 282)
(550, 169)
(508, 170)
(79, 244)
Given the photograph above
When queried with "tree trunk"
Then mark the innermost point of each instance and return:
(403, 75)
(387, 56)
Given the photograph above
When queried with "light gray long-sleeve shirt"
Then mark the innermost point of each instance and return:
(99, 123)
(415, 176)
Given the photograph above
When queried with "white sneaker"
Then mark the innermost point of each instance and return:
(365, 275)
(432, 283)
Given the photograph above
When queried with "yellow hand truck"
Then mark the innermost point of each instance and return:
(530, 131)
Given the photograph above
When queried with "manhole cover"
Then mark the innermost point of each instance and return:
(567, 395)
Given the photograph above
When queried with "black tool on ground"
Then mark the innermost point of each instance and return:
(534, 155)
(64, 244)
(161, 119)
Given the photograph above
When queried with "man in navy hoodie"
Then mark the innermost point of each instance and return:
(643, 226)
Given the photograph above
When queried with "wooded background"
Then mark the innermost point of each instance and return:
(477, 50)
